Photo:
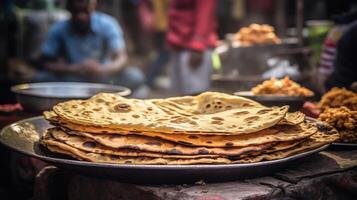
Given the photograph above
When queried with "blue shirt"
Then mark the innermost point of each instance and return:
(105, 36)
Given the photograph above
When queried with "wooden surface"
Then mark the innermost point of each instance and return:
(326, 175)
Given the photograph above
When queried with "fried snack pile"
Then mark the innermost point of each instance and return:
(211, 128)
(282, 87)
(339, 109)
(340, 118)
(338, 97)
(256, 34)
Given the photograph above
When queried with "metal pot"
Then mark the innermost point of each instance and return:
(38, 97)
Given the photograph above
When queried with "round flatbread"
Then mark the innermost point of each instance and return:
(208, 113)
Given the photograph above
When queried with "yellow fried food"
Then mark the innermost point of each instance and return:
(338, 97)
(340, 118)
(283, 87)
(256, 34)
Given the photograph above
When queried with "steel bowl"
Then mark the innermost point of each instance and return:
(294, 102)
(38, 97)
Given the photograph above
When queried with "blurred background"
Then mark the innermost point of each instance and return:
(160, 48)
(302, 26)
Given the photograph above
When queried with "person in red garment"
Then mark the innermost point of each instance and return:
(191, 35)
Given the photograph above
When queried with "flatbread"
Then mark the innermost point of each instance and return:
(319, 139)
(278, 147)
(113, 159)
(325, 135)
(208, 113)
(278, 133)
(293, 118)
(54, 137)
(273, 134)
(147, 144)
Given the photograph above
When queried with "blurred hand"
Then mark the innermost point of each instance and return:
(196, 59)
(311, 109)
(91, 67)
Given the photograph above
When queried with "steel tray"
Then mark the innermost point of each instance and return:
(23, 136)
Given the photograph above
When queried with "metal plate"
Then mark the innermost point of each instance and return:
(344, 144)
(38, 97)
(24, 135)
(295, 102)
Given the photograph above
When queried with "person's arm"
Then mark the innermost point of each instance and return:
(59, 65)
(117, 63)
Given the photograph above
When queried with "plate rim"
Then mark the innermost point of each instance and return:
(272, 97)
(341, 144)
(153, 167)
(21, 89)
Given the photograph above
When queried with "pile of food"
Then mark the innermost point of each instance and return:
(339, 109)
(281, 87)
(211, 128)
(338, 97)
(256, 34)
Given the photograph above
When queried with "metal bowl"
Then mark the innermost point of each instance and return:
(294, 102)
(38, 97)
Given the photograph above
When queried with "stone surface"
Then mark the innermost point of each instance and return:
(327, 175)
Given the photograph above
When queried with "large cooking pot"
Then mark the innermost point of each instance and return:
(38, 97)
(251, 60)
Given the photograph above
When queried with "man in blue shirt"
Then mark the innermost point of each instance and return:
(87, 47)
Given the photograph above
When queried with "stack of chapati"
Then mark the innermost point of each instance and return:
(210, 128)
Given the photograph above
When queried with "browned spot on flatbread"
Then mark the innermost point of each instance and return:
(89, 144)
(174, 151)
(87, 112)
(217, 122)
(99, 100)
(241, 113)
(252, 118)
(263, 111)
(122, 107)
(97, 109)
(203, 151)
(192, 137)
(136, 116)
(217, 118)
(229, 144)
(193, 123)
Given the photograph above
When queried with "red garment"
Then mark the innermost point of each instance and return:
(192, 24)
